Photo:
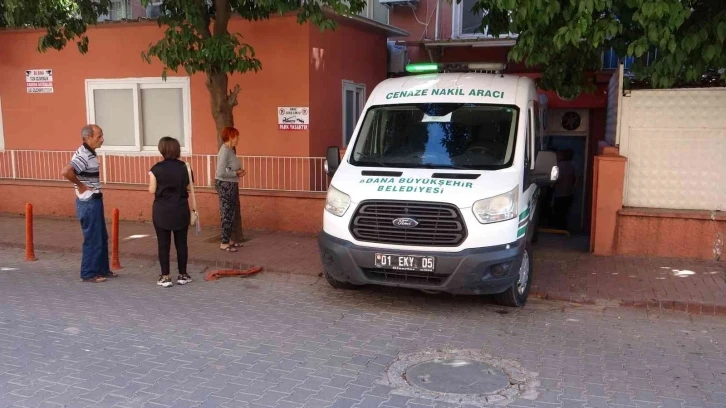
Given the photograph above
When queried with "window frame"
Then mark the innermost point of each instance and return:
(512, 144)
(124, 8)
(136, 85)
(528, 145)
(352, 86)
(457, 17)
(367, 12)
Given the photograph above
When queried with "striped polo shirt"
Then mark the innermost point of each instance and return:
(85, 165)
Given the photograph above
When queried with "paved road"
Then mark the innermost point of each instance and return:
(290, 341)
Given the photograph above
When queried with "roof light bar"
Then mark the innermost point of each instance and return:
(430, 67)
(422, 67)
(487, 66)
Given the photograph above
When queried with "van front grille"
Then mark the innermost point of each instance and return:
(417, 278)
(439, 224)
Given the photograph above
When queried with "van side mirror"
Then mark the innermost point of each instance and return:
(545, 171)
(332, 160)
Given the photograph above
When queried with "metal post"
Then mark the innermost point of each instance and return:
(12, 161)
(29, 246)
(103, 167)
(115, 264)
(209, 170)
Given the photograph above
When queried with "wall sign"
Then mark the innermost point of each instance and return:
(39, 80)
(293, 118)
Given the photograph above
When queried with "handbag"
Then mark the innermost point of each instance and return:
(194, 218)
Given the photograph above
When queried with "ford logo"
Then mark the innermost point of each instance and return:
(405, 222)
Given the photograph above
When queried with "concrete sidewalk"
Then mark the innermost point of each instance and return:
(692, 286)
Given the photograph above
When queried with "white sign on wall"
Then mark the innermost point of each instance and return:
(293, 118)
(39, 80)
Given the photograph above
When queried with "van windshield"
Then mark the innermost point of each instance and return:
(437, 135)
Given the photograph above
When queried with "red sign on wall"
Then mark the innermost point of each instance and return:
(293, 118)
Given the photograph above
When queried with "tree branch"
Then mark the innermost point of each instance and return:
(204, 30)
(222, 13)
(232, 97)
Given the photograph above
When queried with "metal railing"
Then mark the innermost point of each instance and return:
(273, 173)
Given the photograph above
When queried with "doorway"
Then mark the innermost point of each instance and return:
(575, 220)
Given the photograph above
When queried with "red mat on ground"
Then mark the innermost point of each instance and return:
(220, 273)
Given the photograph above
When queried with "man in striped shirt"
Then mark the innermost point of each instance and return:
(83, 172)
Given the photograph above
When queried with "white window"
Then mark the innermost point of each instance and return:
(466, 24)
(354, 97)
(136, 113)
(376, 11)
(153, 10)
(117, 10)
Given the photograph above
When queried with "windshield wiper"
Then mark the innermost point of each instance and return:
(373, 163)
(431, 166)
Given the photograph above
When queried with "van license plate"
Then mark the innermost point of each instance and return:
(406, 262)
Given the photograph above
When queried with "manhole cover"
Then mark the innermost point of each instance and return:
(458, 376)
(461, 377)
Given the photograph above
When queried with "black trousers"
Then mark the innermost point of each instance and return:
(562, 210)
(163, 236)
(229, 208)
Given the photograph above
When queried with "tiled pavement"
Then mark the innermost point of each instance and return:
(698, 287)
(280, 252)
(285, 340)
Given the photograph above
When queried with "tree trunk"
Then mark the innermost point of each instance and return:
(222, 105)
(217, 84)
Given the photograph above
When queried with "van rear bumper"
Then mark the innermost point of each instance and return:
(478, 271)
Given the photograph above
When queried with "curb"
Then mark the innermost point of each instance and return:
(651, 305)
(691, 308)
(145, 256)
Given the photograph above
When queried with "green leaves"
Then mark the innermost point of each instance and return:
(709, 52)
(64, 20)
(196, 38)
(721, 31)
(562, 37)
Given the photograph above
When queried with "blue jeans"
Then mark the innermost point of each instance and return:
(95, 238)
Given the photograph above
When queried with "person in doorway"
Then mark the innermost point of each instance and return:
(564, 189)
(83, 172)
(170, 183)
(229, 170)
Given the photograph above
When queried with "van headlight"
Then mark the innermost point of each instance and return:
(496, 209)
(337, 202)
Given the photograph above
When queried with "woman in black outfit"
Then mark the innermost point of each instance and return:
(170, 185)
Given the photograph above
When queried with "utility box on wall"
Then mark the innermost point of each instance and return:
(397, 58)
(393, 3)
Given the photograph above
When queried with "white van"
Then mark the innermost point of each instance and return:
(438, 187)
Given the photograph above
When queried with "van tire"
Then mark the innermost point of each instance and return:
(512, 296)
(336, 283)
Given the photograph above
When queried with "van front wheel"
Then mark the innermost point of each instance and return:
(516, 295)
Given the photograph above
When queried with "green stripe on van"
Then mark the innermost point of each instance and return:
(524, 214)
(521, 232)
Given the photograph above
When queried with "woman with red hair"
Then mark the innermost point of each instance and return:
(229, 170)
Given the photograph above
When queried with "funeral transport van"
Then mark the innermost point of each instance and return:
(437, 189)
